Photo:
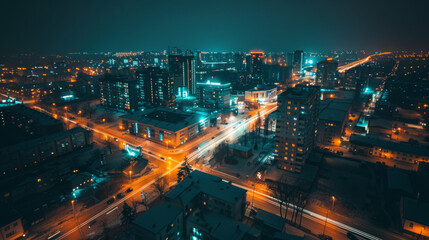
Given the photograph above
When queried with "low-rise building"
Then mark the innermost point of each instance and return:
(373, 146)
(261, 94)
(414, 216)
(202, 190)
(241, 151)
(164, 125)
(164, 221)
(333, 118)
(214, 94)
(29, 153)
(10, 224)
(203, 206)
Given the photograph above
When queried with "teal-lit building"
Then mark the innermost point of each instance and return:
(214, 94)
(165, 126)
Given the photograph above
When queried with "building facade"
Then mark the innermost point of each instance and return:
(297, 117)
(165, 126)
(155, 86)
(261, 94)
(332, 122)
(298, 61)
(214, 95)
(10, 224)
(327, 74)
(182, 70)
(119, 92)
(373, 146)
(256, 65)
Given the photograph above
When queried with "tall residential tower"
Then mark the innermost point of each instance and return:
(298, 110)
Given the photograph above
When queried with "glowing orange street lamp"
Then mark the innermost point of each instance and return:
(130, 175)
(326, 220)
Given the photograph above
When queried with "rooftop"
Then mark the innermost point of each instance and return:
(415, 210)
(34, 142)
(332, 115)
(260, 87)
(270, 220)
(371, 141)
(221, 227)
(199, 182)
(158, 217)
(37, 116)
(8, 215)
(300, 92)
(165, 118)
(399, 181)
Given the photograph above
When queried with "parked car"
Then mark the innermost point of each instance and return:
(351, 236)
(128, 190)
(110, 201)
(120, 195)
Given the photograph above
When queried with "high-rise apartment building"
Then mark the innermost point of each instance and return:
(119, 92)
(155, 86)
(298, 110)
(327, 74)
(182, 71)
(298, 61)
(257, 60)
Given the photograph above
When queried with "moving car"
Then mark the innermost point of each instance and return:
(120, 195)
(128, 190)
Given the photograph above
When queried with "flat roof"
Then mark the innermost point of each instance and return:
(221, 227)
(370, 141)
(271, 220)
(158, 217)
(199, 182)
(8, 215)
(415, 210)
(399, 181)
(37, 116)
(166, 118)
(240, 148)
(262, 88)
(332, 115)
(300, 92)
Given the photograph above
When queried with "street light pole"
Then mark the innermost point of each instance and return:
(77, 221)
(74, 215)
(130, 175)
(327, 211)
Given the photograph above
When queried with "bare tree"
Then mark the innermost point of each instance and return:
(88, 110)
(221, 152)
(160, 185)
(109, 145)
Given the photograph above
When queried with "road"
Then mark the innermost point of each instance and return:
(346, 67)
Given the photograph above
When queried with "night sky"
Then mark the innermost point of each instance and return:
(122, 25)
